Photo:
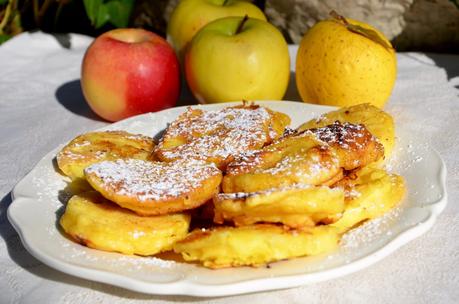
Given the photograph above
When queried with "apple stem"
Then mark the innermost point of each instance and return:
(243, 21)
(338, 17)
(225, 2)
(357, 29)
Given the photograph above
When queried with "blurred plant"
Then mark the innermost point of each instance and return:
(88, 16)
(39, 13)
(116, 12)
(10, 22)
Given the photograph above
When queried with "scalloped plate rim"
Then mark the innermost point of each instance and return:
(188, 288)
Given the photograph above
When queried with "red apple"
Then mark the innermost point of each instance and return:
(126, 72)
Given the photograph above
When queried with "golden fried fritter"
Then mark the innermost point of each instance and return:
(153, 188)
(378, 122)
(219, 136)
(370, 193)
(354, 144)
(295, 206)
(292, 160)
(97, 223)
(311, 157)
(94, 147)
(254, 245)
(289, 194)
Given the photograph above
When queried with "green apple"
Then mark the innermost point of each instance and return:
(189, 16)
(237, 58)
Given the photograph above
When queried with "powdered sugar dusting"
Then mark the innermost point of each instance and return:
(351, 193)
(292, 164)
(116, 262)
(100, 145)
(151, 181)
(284, 165)
(69, 154)
(311, 165)
(72, 253)
(345, 135)
(127, 263)
(218, 134)
(370, 231)
(47, 185)
(244, 162)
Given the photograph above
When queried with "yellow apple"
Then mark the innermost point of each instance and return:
(344, 62)
(191, 15)
(237, 58)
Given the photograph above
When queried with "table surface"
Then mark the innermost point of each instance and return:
(41, 106)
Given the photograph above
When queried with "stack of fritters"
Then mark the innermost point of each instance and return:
(271, 194)
(139, 205)
(127, 188)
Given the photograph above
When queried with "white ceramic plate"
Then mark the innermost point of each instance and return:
(36, 208)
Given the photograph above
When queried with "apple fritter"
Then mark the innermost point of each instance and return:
(93, 147)
(370, 193)
(378, 122)
(292, 160)
(219, 136)
(93, 221)
(312, 157)
(354, 144)
(254, 245)
(153, 188)
(295, 206)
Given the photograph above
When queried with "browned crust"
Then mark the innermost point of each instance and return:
(192, 199)
(274, 129)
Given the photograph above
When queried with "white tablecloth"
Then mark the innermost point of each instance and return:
(41, 106)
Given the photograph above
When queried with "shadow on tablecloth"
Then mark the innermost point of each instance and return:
(16, 250)
(23, 259)
(450, 63)
(70, 96)
(292, 93)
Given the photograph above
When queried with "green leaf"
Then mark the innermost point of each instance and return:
(119, 12)
(92, 9)
(4, 37)
(102, 16)
(455, 2)
(3, 2)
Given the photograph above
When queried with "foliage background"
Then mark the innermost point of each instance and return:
(93, 17)
(90, 17)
